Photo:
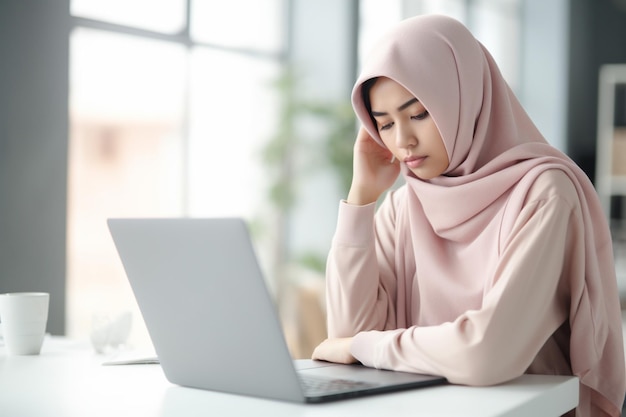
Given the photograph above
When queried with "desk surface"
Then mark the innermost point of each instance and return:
(68, 380)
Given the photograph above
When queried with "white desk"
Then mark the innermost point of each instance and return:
(68, 380)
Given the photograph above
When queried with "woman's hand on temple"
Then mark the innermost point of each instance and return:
(373, 170)
(334, 350)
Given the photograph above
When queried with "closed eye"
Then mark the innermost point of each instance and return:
(420, 116)
(386, 126)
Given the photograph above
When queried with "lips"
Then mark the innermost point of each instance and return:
(414, 161)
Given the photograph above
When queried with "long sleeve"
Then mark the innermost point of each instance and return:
(361, 285)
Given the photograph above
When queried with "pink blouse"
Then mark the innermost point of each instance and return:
(514, 322)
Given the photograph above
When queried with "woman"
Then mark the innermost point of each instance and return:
(494, 258)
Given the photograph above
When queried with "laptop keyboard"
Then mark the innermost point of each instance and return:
(315, 386)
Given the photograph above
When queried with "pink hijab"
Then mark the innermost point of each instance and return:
(494, 147)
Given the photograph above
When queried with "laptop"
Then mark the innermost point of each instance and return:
(213, 322)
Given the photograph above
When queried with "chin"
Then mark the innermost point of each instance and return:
(422, 175)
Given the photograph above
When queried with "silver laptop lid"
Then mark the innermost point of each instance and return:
(205, 304)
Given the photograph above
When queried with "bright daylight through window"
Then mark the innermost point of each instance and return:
(153, 132)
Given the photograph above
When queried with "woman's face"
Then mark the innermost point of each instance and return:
(407, 129)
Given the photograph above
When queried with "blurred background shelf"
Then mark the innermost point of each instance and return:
(611, 140)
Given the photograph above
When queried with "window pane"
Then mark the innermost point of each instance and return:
(452, 8)
(497, 26)
(167, 16)
(376, 18)
(126, 106)
(248, 24)
(233, 113)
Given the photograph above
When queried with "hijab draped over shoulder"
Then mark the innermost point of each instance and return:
(494, 148)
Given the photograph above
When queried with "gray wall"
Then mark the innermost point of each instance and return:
(33, 149)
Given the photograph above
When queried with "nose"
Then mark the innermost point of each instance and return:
(405, 137)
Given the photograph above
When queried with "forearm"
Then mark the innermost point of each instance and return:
(357, 298)
(475, 349)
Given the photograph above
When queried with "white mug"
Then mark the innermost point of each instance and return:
(24, 316)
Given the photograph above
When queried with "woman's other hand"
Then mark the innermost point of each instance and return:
(334, 350)
(373, 170)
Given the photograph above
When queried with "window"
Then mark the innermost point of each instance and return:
(240, 24)
(162, 104)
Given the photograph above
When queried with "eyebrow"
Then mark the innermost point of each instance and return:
(400, 108)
